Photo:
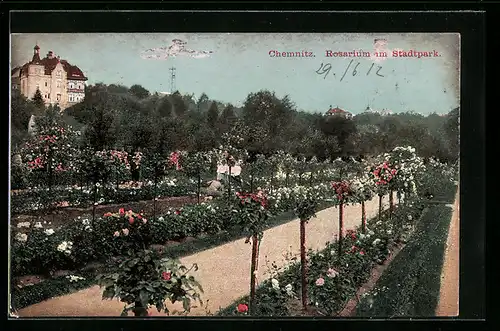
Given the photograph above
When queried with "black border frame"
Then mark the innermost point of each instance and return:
(471, 26)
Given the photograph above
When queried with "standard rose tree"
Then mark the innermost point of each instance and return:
(143, 278)
(343, 193)
(253, 216)
(382, 175)
(306, 203)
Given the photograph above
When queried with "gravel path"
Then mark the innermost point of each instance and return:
(229, 277)
(448, 297)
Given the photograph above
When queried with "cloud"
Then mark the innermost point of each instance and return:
(177, 48)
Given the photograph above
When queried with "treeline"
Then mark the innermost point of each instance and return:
(114, 116)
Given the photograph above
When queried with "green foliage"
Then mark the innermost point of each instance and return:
(180, 107)
(212, 115)
(164, 108)
(138, 91)
(253, 213)
(411, 284)
(38, 99)
(144, 279)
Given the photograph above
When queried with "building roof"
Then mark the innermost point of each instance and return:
(73, 72)
(337, 110)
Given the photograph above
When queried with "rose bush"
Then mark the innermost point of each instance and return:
(145, 279)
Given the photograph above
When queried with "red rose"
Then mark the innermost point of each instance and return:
(166, 275)
(139, 216)
(121, 211)
(131, 220)
(242, 308)
(361, 253)
(177, 212)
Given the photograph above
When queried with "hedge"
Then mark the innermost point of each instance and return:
(412, 282)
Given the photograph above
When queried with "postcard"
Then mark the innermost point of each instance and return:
(234, 175)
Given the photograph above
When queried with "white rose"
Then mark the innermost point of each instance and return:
(275, 284)
(22, 237)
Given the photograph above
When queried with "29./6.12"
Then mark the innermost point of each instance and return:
(325, 69)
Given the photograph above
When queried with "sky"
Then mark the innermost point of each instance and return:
(229, 66)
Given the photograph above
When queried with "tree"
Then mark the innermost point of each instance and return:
(212, 115)
(267, 118)
(202, 102)
(115, 88)
(189, 102)
(451, 127)
(227, 118)
(180, 107)
(100, 133)
(139, 92)
(38, 99)
(340, 127)
(165, 107)
(20, 114)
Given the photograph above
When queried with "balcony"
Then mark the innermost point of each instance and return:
(76, 90)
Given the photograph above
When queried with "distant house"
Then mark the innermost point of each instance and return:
(58, 81)
(338, 112)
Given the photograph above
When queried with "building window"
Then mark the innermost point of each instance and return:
(46, 84)
(58, 83)
(49, 95)
(58, 97)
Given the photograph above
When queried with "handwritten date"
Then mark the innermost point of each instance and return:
(326, 68)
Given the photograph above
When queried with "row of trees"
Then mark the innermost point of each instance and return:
(113, 116)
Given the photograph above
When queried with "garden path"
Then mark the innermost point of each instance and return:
(448, 297)
(223, 271)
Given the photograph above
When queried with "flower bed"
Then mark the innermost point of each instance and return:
(411, 284)
(39, 199)
(332, 280)
(34, 251)
(58, 286)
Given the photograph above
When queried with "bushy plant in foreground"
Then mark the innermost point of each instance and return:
(143, 278)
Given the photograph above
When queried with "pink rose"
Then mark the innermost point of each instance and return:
(320, 282)
(332, 273)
